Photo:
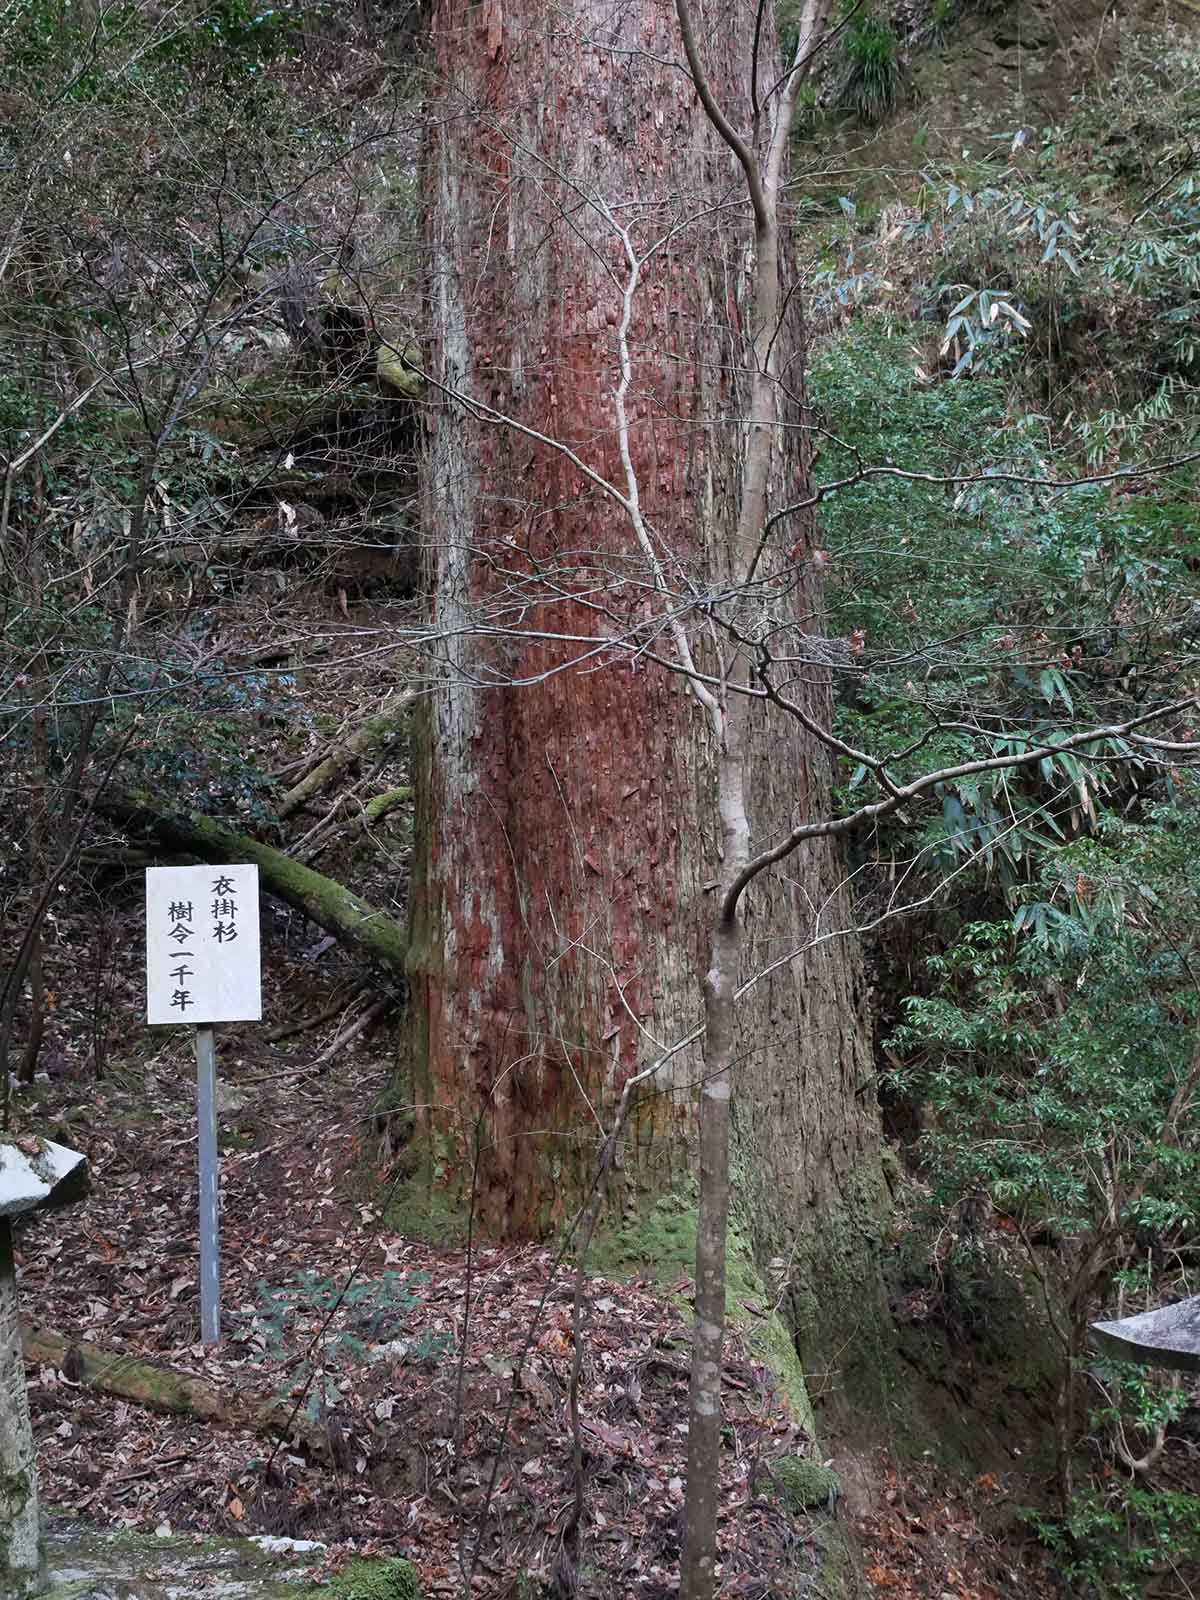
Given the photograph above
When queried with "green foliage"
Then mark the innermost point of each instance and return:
(55, 47)
(1112, 1542)
(873, 75)
(1141, 1397)
(177, 725)
(988, 616)
(246, 33)
(1029, 1101)
(1090, 232)
(1057, 1055)
(1084, 278)
(978, 322)
(1052, 1065)
(185, 733)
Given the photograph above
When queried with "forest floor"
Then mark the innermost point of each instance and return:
(430, 1386)
(436, 1381)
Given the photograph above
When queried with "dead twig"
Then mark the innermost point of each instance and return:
(360, 1025)
(290, 1029)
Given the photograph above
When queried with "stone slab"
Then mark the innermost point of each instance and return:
(38, 1175)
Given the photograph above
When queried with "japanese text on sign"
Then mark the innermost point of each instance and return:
(202, 954)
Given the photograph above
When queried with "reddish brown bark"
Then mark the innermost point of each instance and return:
(562, 896)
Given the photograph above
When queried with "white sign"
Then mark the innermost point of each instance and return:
(202, 954)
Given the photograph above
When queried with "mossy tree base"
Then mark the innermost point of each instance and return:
(664, 1241)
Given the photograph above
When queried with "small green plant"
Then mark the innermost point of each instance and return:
(937, 29)
(1069, 595)
(873, 75)
(289, 1317)
(979, 322)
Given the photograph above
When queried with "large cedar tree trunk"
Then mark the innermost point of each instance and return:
(562, 896)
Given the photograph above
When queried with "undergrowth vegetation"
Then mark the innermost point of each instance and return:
(872, 75)
(1016, 337)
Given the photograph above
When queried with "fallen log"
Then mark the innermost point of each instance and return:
(167, 1389)
(352, 922)
(368, 736)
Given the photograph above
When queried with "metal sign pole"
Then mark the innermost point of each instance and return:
(210, 1247)
(202, 960)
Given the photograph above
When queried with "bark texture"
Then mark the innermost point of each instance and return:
(568, 842)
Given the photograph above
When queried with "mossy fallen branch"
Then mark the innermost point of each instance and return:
(166, 1389)
(376, 809)
(352, 922)
(368, 736)
(804, 1485)
(397, 366)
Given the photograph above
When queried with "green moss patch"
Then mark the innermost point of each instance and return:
(664, 1240)
(422, 1206)
(803, 1485)
(376, 1580)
